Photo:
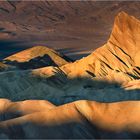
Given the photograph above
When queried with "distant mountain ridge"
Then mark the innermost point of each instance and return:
(65, 24)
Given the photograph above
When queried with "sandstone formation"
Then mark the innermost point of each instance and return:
(112, 117)
(35, 57)
(117, 60)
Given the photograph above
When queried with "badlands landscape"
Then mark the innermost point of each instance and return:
(45, 93)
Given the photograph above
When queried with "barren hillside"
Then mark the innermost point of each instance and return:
(76, 28)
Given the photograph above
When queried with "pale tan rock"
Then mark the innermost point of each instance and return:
(4, 105)
(119, 116)
(117, 60)
(31, 53)
(24, 107)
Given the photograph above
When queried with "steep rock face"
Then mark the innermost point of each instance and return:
(35, 57)
(125, 36)
(119, 55)
(118, 59)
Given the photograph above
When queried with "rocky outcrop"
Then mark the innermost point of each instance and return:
(117, 60)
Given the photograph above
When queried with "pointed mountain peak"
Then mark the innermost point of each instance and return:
(122, 14)
(124, 21)
(37, 53)
(126, 33)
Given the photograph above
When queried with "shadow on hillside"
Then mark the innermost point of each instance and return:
(60, 90)
(73, 53)
(81, 88)
(38, 62)
(65, 131)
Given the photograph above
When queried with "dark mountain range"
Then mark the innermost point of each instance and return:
(61, 24)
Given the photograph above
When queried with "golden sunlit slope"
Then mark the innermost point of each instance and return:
(113, 117)
(118, 59)
(37, 51)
